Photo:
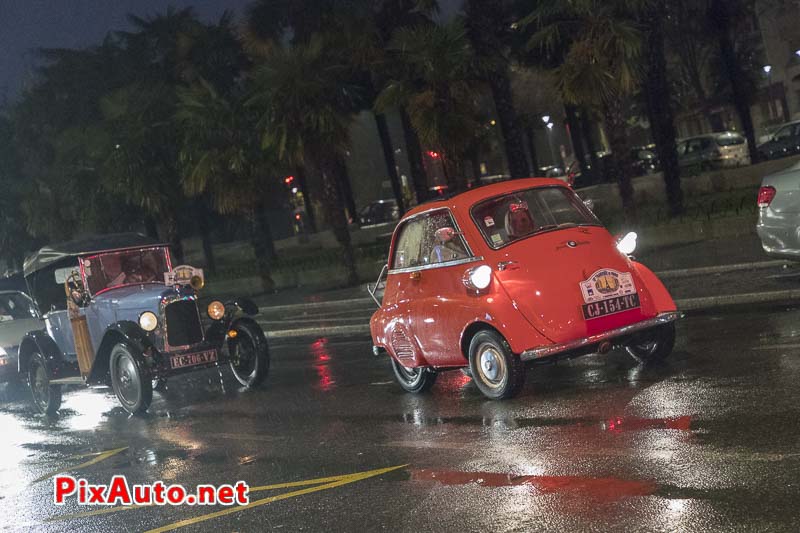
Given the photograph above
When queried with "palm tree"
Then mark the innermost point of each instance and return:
(488, 24)
(434, 80)
(305, 107)
(599, 46)
(221, 157)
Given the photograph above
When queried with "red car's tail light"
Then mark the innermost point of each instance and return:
(765, 196)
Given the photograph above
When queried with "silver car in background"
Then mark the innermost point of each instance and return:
(713, 151)
(18, 316)
(779, 214)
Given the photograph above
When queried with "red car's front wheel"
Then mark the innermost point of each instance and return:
(498, 373)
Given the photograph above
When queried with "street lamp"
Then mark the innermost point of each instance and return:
(767, 69)
(546, 119)
(797, 53)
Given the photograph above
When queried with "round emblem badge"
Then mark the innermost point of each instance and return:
(572, 244)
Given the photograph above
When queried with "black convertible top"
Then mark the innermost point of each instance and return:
(85, 246)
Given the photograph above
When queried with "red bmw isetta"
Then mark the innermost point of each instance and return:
(511, 273)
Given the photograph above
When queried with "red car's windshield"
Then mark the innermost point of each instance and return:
(520, 214)
(127, 267)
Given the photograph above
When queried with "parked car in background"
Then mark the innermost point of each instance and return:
(645, 160)
(379, 212)
(18, 316)
(511, 273)
(784, 142)
(117, 313)
(713, 151)
(778, 224)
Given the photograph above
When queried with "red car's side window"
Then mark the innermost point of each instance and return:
(428, 239)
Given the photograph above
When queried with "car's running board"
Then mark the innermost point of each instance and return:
(553, 349)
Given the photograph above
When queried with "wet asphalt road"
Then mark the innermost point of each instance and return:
(707, 441)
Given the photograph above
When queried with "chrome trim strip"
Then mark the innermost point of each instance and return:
(544, 351)
(437, 265)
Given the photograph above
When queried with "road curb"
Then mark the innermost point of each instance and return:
(686, 304)
(719, 269)
(316, 305)
(713, 302)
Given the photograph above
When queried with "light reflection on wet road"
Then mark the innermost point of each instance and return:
(706, 442)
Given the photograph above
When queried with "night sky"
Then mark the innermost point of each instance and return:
(26, 25)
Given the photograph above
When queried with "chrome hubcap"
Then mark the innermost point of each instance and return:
(128, 386)
(491, 365)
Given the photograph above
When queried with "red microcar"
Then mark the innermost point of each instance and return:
(511, 273)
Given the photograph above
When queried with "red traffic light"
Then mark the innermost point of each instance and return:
(289, 180)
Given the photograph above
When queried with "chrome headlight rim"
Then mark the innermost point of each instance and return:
(148, 321)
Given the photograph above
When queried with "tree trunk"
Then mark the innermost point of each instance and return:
(300, 172)
(488, 28)
(575, 136)
(388, 159)
(509, 125)
(170, 234)
(596, 172)
(335, 214)
(620, 158)
(202, 215)
(531, 136)
(263, 246)
(662, 122)
(346, 189)
(721, 20)
(454, 172)
(417, 169)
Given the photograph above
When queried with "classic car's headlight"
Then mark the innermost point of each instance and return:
(478, 277)
(148, 321)
(216, 310)
(627, 244)
(197, 283)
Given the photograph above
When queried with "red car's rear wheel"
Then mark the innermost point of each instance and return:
(654, 345)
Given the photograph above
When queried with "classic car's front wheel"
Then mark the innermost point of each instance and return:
(655, 345)
(414, 380)
(133, 388)
(498, 373)
(46, 397)
(249, 354)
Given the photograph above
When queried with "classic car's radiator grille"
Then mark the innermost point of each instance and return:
(183, 323)
(401, 344)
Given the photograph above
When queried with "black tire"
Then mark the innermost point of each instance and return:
(498, 373)
(416, 380)
(46, 398)
(130, 380)
(654, 345)
(249, 354)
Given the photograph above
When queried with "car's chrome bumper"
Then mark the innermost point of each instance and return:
(553, 349)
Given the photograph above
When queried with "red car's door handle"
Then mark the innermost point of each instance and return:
(507, 265)
(414, 276)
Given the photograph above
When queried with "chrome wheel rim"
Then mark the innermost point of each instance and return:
(409, 375)
(128, 380)
(491, 365)
(39, 387)
(244, 360)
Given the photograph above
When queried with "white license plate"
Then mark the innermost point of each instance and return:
(192, 359)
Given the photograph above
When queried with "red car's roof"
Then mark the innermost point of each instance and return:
(468, 198)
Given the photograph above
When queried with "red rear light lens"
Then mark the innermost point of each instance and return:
(765, 196)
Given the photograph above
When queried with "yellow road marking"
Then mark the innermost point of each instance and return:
(343, 481)
(101, 457)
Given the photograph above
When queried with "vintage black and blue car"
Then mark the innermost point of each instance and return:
(117, 313)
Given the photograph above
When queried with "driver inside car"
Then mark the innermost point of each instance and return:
(519, 222)
(112, 268)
